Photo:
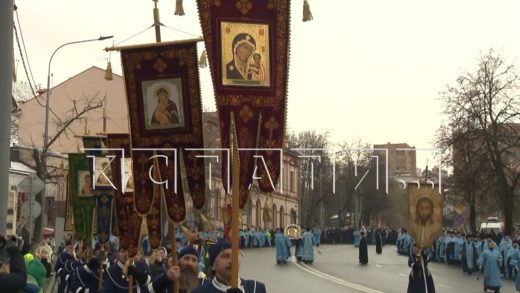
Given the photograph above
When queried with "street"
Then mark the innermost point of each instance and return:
(336, 270)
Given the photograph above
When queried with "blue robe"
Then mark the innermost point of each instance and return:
(84, 279)
(317, 236)
(515, 261)
(115, 282)
(416, 277)
(511, 272)
(357, 238)
(63, 257)
(504, 246)
(469, 257)
(308, 247)
(283, 247)
(490, 262)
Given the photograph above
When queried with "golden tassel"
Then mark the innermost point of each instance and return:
(179, 10)
(307, 15)
(203, 63)
(108, 71)
(206, 226)
(190, 235)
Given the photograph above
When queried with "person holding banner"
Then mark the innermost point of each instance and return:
(187, 273)
(115, 279)
(86, 278)
(220, 262)
(419, 275)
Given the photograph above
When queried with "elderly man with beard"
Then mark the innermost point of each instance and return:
(187, 274)
(220, 261)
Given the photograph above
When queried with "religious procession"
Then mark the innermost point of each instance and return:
(253, 146)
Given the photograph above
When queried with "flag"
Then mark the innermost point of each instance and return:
(128, 220)
(247, 44)
(425, 206)
(81, 196)
(163, 93)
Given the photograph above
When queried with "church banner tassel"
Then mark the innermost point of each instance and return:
(108, 71)
(179, 10)
(203, 62)
(307, 15)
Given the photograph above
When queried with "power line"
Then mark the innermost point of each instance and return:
(24, 47)
(23, 59)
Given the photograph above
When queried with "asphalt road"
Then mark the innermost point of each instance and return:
(336, 269)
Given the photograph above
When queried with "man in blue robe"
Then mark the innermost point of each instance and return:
(489, 262)
(418, 260)
(308, 247)
(86, 277)
(510, 265)
(515, 261)
(357, 238)
(317, 236)
(283, 246)
(186, 273)
(220, 262)
(469, 256)
(504, 246)
(63, 257)
(115, 281)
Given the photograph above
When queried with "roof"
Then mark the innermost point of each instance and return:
(89, 84)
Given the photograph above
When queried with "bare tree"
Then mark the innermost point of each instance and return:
(46, 171)
(483, 109)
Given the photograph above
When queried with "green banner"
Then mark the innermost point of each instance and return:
(82, 196)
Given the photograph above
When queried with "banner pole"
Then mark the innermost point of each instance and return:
(235, 194)
(100, 273)
(174, 254)
(423, 271)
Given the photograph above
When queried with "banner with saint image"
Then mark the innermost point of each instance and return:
(247, 44)
(81, 197)
(425, 206)
(164, 106)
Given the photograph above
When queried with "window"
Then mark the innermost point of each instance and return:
(274, 216)
(291, 181)
(282, 216)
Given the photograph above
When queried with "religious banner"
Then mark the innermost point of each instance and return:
(163, 92)
(425, 206)
(128, 220)
(96, 149)
(247, 45)
(81, 196)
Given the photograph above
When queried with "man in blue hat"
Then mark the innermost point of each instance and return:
(187, 274)
(116, 281)
(220, 261)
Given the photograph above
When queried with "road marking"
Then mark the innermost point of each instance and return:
(379, 266)
(403, 275)
(441, 285)
(336, 280)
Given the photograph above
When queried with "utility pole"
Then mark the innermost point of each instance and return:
(6, 84)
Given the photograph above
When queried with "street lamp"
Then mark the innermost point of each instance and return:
(46, 132)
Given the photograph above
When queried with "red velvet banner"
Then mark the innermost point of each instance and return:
(163, 91)
(247, 45)
(127, 219)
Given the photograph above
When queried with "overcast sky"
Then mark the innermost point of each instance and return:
(361, 69)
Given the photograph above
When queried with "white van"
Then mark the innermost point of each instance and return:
(492, 224)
